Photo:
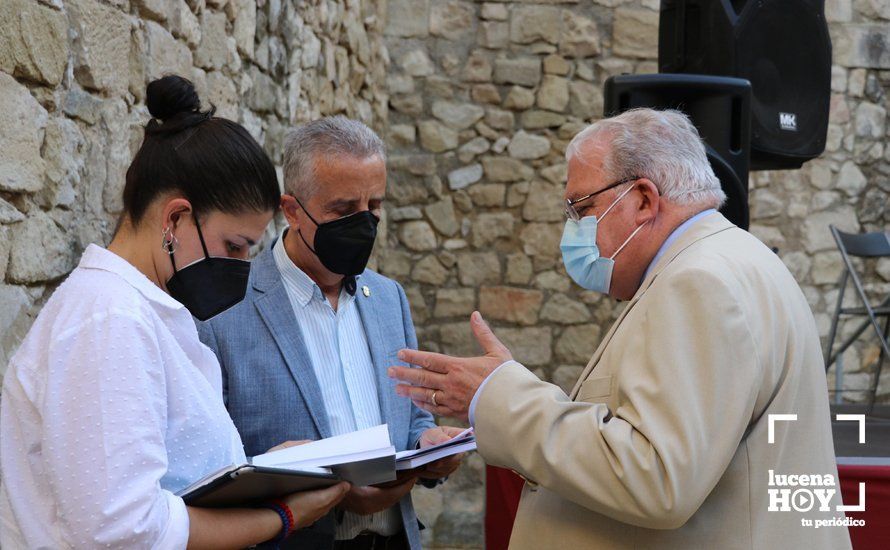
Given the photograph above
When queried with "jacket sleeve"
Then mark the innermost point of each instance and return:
(207, 334)
(686, 380)
(421, 420)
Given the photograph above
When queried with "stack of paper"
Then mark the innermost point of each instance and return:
(461, 443)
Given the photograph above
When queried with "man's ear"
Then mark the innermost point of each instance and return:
(289, 208)
(650, 201)
(174, 212)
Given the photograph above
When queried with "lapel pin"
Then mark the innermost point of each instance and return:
(366, 291)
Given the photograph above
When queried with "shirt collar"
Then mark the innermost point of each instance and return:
(303, 288)
(675, 234)
(97, 257)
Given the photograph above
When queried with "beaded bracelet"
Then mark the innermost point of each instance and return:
(287, 518)
(291, 522)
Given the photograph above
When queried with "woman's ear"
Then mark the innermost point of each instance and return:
(173, 213)
(650, 202)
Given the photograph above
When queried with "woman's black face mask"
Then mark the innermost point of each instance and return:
(344, 245)
(210, 285)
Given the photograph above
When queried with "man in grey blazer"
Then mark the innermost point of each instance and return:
(304, 355)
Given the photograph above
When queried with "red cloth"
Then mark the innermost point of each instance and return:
(875, 535)
(503, 488)
(502, 491)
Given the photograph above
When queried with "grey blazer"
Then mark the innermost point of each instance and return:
(269, 386)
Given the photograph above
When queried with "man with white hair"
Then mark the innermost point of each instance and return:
(669, 438)
(304, 355)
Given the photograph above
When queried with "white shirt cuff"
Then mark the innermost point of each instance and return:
(472, 412)
(176, 535)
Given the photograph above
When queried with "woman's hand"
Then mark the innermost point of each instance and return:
(310, 506)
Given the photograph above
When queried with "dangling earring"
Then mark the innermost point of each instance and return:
(169, 242)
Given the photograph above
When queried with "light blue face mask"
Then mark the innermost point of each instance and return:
(581, 255)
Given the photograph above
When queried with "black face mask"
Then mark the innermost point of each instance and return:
(344, 245)
(209, 286)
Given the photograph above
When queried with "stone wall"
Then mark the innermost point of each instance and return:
(477, 100)
(72, 85)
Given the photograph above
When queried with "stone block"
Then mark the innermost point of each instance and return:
(457, 115)
(553, 94)
(40, 250)
(525, 71)
(437, 137)
(407, 18)
(164, 54)
(212, 51)
(491, 226)
(23, 121)
(541, 240)
(455, 302)
(417, 236)
(525, 146)
(452, 19)
(441, 216)
(531, 346)
(502, 169)
(510, 304)
(533, 23)
(577, 343)
(545, 203)
(429, 270)
(565, 310)
(101, 46)
(477, 268)
(463, 177)
(635, 33)
(580, 37)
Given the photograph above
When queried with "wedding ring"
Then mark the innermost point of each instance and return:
(433, 399)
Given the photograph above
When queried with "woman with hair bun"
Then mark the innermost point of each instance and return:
(111, 404)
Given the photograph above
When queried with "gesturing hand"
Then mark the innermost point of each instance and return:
(445, 385)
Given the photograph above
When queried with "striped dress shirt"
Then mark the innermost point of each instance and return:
(340, 357)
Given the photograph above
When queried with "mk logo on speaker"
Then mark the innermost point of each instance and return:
(788, 121)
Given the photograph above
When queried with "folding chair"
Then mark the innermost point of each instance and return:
(866, 245)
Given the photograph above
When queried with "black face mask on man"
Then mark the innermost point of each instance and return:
(344, 245)
(210, 285)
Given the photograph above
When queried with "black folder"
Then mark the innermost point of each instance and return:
(248, 485)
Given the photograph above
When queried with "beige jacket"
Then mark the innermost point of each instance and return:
(663, 442)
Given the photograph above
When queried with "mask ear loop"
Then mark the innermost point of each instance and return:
(632, 235)
(201, 237)
(306, 211)
(300, 232)
(616, 201)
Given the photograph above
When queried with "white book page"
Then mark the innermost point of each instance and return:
(363, 444)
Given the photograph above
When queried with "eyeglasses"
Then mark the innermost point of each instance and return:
(573, 214)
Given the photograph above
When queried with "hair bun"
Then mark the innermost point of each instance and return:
(171, 95)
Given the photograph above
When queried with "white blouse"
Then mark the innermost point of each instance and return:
(109, 407)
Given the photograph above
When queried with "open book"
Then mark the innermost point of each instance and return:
(365, 457)
(461, 443)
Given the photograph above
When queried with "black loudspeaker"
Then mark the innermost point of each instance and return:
(719, 107)
(781, 46)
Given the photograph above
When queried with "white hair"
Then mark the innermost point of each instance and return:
(662, 146)
(334, 136)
